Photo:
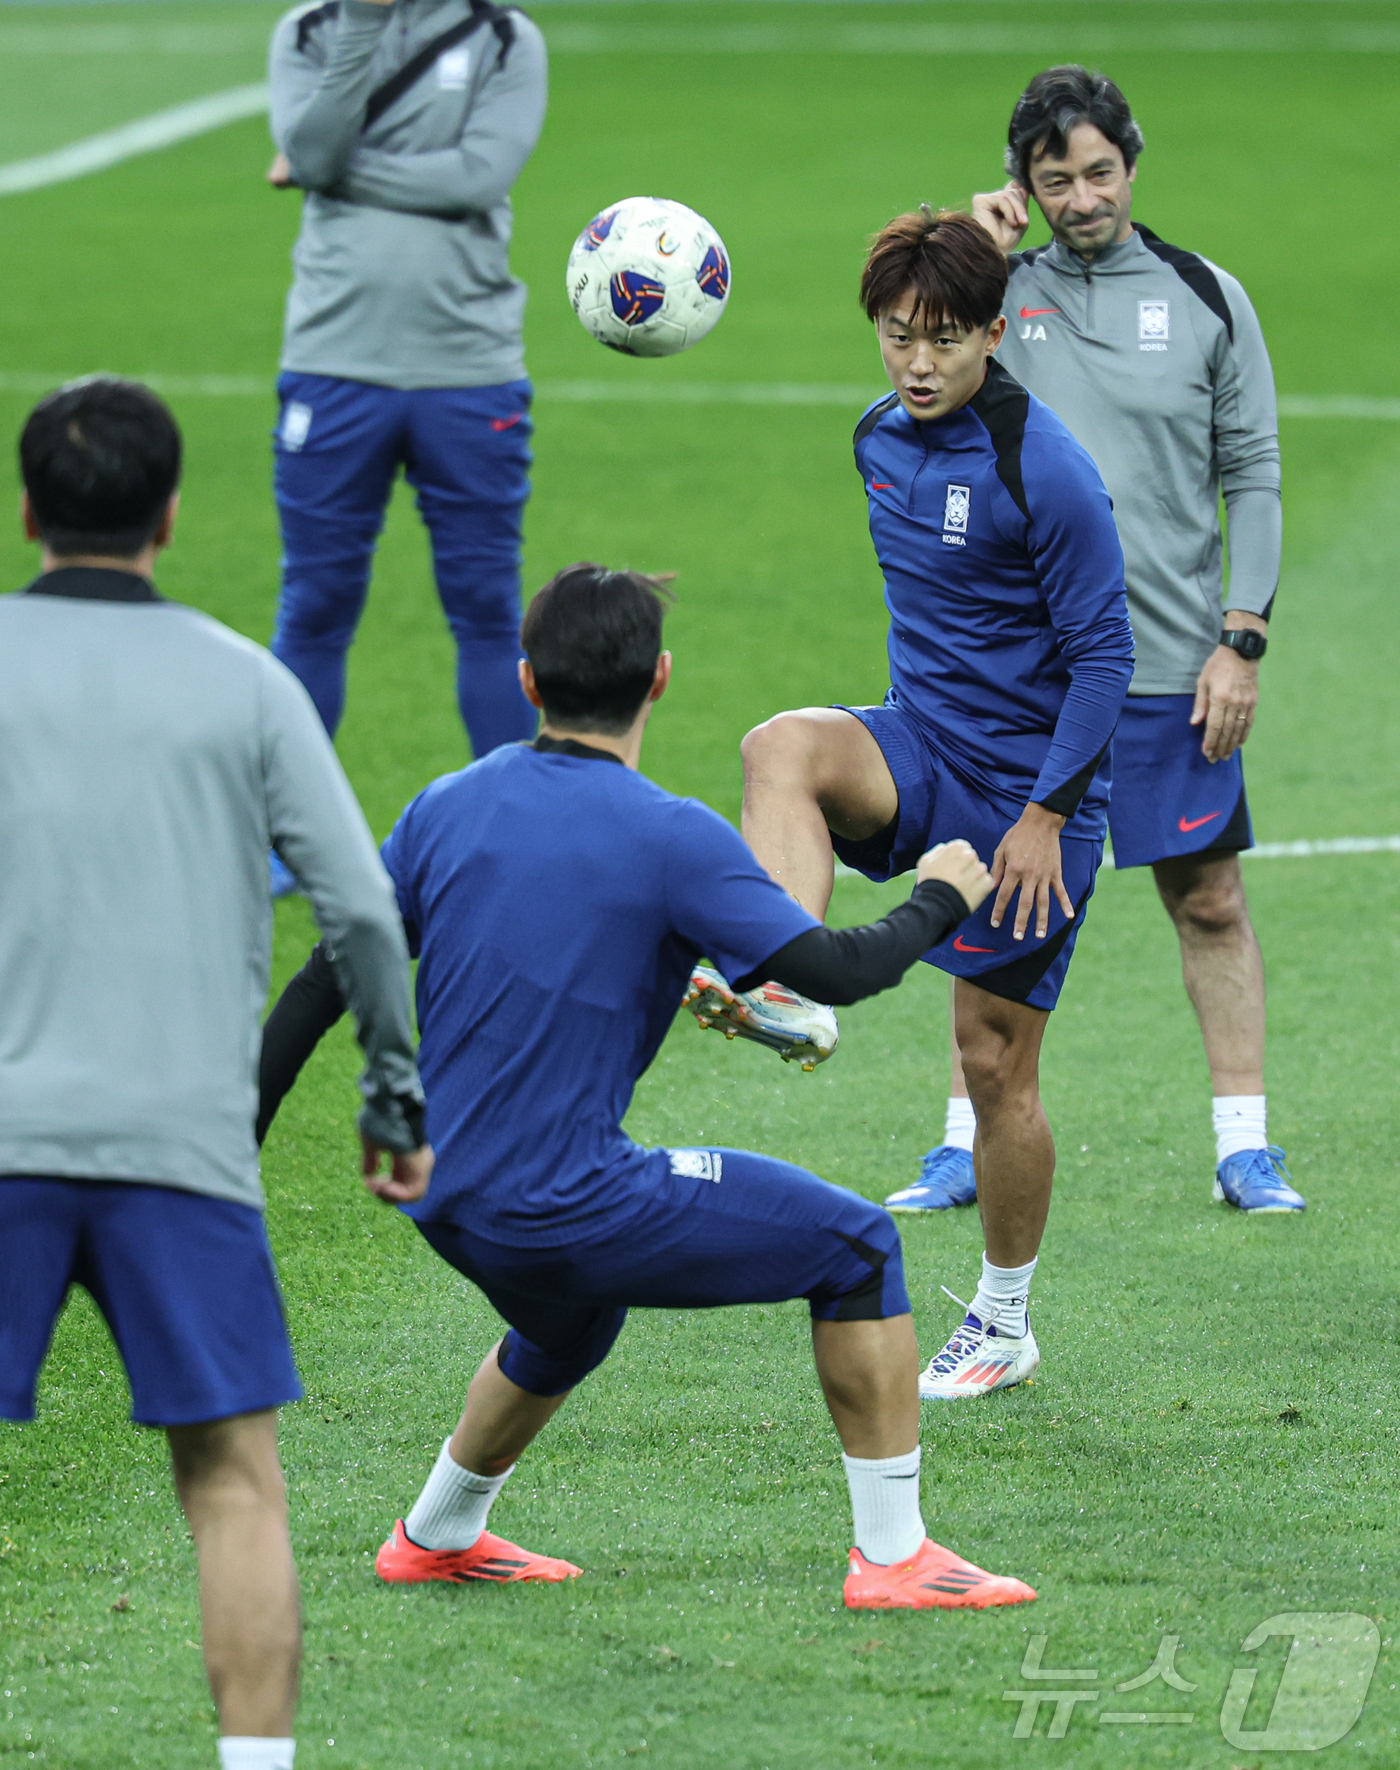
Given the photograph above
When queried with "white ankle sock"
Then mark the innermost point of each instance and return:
(248, 1752)
(960, 1126)
(1240, 1123)
(450, 1513)
(885, 1502)
(1001, 1296)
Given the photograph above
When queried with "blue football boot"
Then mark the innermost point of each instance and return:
(1256, 1180)
(946, 1178)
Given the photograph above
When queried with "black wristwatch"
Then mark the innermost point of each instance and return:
(1248, 644)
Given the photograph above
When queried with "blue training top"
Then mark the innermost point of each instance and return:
(1009, 642)
(559, 900)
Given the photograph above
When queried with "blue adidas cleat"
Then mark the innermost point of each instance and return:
(1256, 1180)
(946, 1178)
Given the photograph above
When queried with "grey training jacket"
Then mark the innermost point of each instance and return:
(402, 275)
(1155, 360)
(148, 759)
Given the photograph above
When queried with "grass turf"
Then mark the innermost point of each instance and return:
(1211, 1441)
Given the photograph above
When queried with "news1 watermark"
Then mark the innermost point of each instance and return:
(1331, 1659)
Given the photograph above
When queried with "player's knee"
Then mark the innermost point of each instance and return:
(784, 750)
(1213, 910)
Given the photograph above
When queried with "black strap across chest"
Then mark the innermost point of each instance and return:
(393, 89)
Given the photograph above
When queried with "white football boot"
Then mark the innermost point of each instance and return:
(978, 1359)
(772, 1015)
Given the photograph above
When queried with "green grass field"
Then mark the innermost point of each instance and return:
(1212, 1440)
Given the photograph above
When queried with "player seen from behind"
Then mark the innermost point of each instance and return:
(148, 758)
(558, 901)
(406, 122)
(1154, 358)
(1009, 653)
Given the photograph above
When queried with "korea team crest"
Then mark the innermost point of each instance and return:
(957, 506)
(1154, 324)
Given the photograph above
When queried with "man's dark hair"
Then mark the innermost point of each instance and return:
(1057, 101)
(593, 637)
(950, 261)
(99, 459)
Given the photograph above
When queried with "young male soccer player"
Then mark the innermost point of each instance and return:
(1154, 358)
(1009, 654)
(406, 122)
(133, 729)
(559, 901)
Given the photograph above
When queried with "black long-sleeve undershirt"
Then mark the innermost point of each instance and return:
(845, 965)
(836, 965)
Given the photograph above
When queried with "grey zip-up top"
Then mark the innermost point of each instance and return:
(1155, 360)
(402, 275)
(148, 759)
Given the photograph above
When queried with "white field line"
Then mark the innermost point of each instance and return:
(786, 36)
(161, 129)
(1261, 851)
(679, 393)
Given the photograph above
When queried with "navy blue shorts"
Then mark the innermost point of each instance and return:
(185, 1283)
(936, 805)
(1167, 799)
(719, 1226)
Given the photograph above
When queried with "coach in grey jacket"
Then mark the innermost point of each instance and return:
(406, 123)
(148, 759)
(1154, 358)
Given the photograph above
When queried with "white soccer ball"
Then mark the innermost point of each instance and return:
(648, 277)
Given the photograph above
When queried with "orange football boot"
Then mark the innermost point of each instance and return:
(932, 1579)
(492, 1558)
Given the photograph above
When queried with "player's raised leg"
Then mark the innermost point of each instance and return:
(808, 774)
(229, 1482)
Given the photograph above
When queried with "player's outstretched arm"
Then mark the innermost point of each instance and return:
(844, 965)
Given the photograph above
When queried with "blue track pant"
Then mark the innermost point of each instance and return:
(466, 451)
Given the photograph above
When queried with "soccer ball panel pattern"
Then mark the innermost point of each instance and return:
(648, 277)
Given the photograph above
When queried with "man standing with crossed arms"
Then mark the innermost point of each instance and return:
(406, 122)
(1154, 359)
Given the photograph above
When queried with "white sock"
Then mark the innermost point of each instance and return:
(245, 1752)
(1240, 1122)
(885, 1502)
(960, 1126)
(1001, 1296)
(450, 1513)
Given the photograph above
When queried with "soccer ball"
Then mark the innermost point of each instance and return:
(648, 277)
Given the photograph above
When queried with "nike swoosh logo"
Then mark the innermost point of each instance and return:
(1029, 313)
(879, 486)
(1186, 826)
(961, 946)
(506, 423)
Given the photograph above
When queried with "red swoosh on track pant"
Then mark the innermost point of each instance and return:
(506, 423)
(960, 947)
(1195, 823)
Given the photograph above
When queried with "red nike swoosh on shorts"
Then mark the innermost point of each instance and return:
(505, 423)
(1195, 823)
(1029, 313)
(960, 946)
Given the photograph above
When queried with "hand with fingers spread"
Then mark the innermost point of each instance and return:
(408, 1176)
(1004, 214)
(957, 864)
(1028, 859)
(1227, 693)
